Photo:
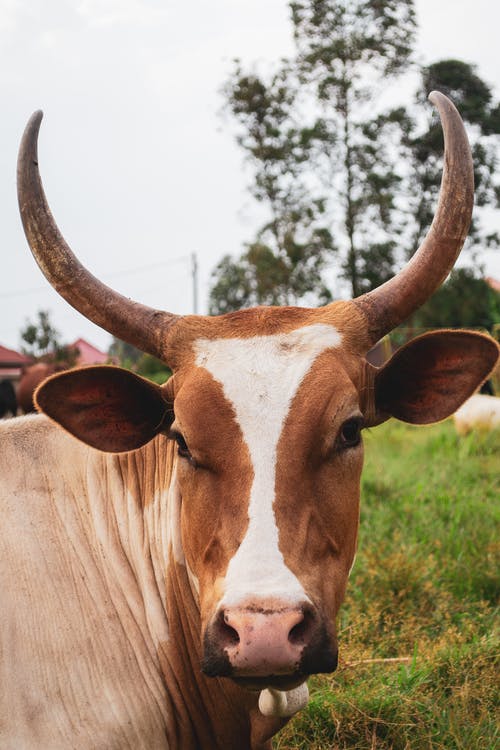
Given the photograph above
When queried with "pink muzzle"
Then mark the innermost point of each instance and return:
(258, 640)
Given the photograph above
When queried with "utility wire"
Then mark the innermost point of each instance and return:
(112, 275)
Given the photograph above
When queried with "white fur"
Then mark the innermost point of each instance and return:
(260, 377)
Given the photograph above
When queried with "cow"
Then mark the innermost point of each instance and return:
(171, 577)
(31, 377)
(480, 412)
(8, 401)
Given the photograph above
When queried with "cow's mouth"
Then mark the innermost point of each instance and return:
(278, 682)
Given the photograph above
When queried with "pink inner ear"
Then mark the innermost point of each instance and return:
(429, 378)
(107, 408)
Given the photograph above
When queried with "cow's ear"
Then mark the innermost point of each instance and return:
(430, 377)
(106, 407)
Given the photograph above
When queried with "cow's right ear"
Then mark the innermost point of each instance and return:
(430, 377)
(106, 407)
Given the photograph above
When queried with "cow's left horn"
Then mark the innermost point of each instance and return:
(144, 327)
(393, 302)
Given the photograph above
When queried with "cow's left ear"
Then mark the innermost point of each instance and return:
(106, 407)
(430, 377)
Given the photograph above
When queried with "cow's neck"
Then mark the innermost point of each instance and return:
(203, 712)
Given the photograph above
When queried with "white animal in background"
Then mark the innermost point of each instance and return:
(478, 413)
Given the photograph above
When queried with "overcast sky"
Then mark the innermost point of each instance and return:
(139, 169)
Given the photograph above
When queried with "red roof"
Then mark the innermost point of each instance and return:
(9, 357)
(88, 354)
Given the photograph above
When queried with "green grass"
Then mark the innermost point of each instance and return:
(419, 645)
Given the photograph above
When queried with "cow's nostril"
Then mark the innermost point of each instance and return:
(264, 639)
(227, 634)
(299, 634)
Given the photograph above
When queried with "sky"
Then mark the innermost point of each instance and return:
(139, 167)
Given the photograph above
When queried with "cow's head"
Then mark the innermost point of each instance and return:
(267, 407)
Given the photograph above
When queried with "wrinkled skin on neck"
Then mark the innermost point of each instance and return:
(202, 712)
(97, 611)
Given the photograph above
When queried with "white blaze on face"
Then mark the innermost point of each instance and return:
(260, 377)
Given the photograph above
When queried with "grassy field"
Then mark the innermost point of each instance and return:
(419, 655)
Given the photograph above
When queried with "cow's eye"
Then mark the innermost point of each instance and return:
(182, 448)
(350, 433)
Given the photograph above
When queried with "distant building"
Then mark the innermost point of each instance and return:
(88, 354)
(12, 363)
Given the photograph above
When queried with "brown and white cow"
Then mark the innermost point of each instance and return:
(170, 579)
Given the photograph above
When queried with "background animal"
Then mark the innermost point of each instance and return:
(8, 402)
(31, 378)
(184, 561)
(479, 412)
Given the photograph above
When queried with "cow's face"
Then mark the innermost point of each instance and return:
(268, 431)
(270, 454)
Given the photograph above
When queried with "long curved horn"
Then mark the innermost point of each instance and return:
(144, 327)
(393, 302)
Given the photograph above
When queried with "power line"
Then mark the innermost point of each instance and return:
(150, 266)
(23, 292)
(111, 275)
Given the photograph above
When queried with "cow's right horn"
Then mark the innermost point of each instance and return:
(144, 327)
(390, 304)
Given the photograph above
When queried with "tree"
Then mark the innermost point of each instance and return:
(134, 359)
(474, 100)
(347, 182)
(285, 261)
(310, 132)
(42, 341)
(153, 369)
(464, 301)
(347, 52)
(126, 354)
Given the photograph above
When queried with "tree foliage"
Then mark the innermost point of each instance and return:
(42, 341)
(323, 162)
(285, 261)
(131, 358)
(347, 183)
(463, 301)
(474, 100)
(347, 51)
(124, 353)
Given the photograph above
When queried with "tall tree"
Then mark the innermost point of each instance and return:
(324, 159)
(336, 171)
(285, 261)
(474, 99)
(347, 53)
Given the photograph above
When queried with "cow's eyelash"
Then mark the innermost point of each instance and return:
(182, 446)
